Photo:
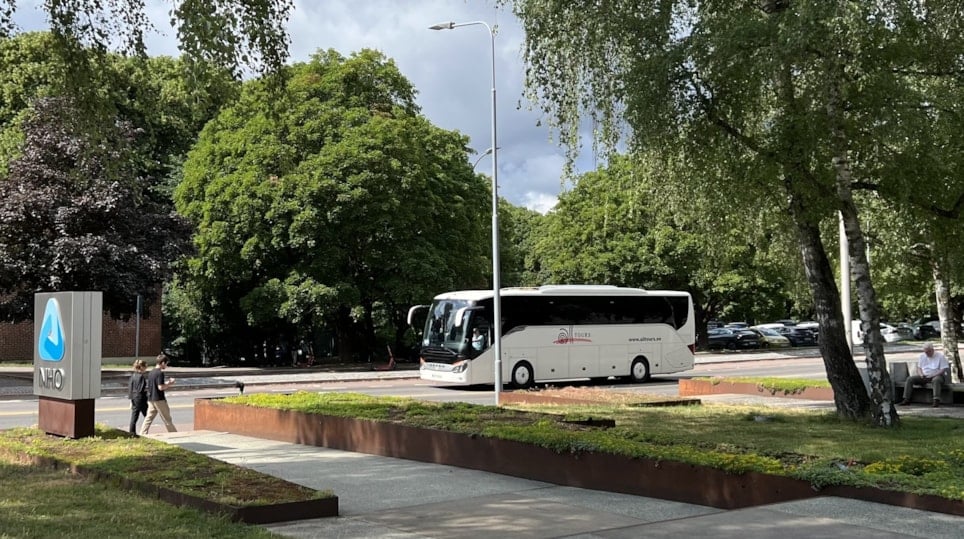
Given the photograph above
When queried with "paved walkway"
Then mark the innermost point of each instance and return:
(393, 498)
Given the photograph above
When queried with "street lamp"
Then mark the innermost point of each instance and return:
(496, 294)
(481, 157)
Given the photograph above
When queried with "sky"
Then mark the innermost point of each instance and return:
(451, 69)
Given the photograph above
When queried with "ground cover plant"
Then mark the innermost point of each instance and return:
(119, 455)
(923, 456)
(43, 502)
(772, 384)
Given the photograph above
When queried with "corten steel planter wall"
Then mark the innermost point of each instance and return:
(666, 480)
(690, 388)
(644, 477)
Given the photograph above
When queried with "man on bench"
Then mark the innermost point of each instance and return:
(932, 367)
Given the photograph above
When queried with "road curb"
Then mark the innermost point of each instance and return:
(25, 390)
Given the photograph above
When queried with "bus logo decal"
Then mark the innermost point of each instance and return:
(567, 336)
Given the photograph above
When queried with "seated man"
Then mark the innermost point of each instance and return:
(478, 340)
(931, 367)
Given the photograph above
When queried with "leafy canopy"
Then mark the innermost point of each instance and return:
(328, 199)
(75, 215)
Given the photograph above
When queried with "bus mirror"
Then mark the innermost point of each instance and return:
(413, 310)
(460, 314)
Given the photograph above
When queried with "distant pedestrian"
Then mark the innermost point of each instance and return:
(156, 401)
(932, 367)
(137, 392)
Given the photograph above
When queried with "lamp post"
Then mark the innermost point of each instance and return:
(845, 285)
(496, 295)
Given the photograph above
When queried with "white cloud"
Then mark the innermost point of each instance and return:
(451, 69)
(540, 202)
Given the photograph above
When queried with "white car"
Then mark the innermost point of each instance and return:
(889, 332)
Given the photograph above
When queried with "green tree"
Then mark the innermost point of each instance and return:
(771, 93)
(151, 98)
(153, 94)
(229, 34)
(613, 227)
(74, 215)
(517, 237)
(324, 204)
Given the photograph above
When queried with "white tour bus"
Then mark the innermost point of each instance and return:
(557, 332)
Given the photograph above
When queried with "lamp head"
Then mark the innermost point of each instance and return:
(442, 26)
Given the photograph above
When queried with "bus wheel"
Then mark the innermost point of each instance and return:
(522, 375)
(639, 372)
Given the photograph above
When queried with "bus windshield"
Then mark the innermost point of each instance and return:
(440, 328)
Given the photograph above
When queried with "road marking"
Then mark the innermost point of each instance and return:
(15, 414)
(99, 409)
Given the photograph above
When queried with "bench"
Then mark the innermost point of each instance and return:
(900, 372)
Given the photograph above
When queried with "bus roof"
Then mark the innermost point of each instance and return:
(559, 290)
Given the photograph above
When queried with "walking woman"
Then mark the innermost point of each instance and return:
(137, 392)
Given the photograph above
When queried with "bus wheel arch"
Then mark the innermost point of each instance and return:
(522, 376)
(639, 371)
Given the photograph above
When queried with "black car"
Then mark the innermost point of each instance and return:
(732, 339)
(926, 329)
(799, 336)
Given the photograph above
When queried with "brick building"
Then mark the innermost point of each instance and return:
(119, 336)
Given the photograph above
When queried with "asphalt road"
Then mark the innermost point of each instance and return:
(114, 410)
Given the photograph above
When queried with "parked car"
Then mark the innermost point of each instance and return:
(889, 332)
(769, 338)
(926, 329)
(896, 333)
(798, 336)
(732, 339)
(772, 325)
(736, 325)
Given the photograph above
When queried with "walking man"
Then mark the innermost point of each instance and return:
(156, 402)
(931, 367)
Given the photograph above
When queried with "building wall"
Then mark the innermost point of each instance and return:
(16, 340)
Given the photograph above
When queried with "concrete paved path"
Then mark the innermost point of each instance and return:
(395, 498)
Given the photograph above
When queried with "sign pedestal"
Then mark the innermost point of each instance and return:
(68, 418)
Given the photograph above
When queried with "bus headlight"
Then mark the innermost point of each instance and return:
(460, 366)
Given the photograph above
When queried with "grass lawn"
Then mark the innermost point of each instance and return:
(40, 502)
(37, 501)
(923, 455)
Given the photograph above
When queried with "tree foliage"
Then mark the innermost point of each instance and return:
(75, 215)
(153, 94)
(615, 226)
(772, 96)
(147, 115)
(327, 202)
(229, 34)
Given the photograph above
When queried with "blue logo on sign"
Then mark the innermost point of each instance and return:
(51, 345)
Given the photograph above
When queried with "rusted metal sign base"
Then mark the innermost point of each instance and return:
(68, 418)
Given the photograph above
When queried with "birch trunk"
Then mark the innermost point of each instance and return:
(883, 411)
(942, 291)
(849, 395)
